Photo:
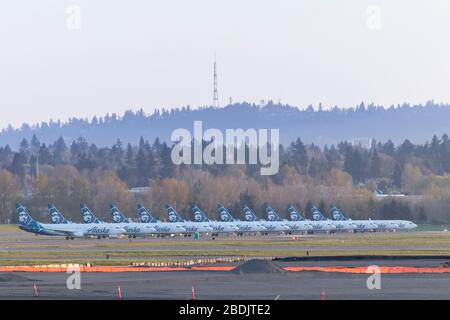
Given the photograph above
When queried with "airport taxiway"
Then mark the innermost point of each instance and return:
(224, 286)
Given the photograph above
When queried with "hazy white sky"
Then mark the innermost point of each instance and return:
(153, 54)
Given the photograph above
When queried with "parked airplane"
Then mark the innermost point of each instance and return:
(243, 226)
(217, 226)
(162, 228)
(318, 226)
(130, 231)
(271, 226)
(293, 225)
(376, 224)
(190, 226)
(133, 229)
(67, 230)
(362, 225)
(341, 225)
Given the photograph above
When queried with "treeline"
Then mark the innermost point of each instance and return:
(345, 174)
(313, 123)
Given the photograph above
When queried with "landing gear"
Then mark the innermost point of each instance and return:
(67, 238)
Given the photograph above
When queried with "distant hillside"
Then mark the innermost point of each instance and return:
(416, 123)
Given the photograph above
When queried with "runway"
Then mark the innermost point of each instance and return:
(422, 249)
(224, 286)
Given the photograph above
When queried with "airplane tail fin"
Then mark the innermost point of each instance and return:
(199, 215)
(294, 214)
(249, 215)
(224, 214)
(316, 214)
(173, 215)
(88, 216)
(271, 214)
(56, 217)
(25, 219)
(117, 216)
(337, 214)
(145, 215)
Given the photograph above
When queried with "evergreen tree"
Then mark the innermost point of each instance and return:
(35, 144)
(375, 165)
(18, 164)
(24, 146)
(141, 167)
(60, 153)
(167, 166)
(397, 176)
(299, 156)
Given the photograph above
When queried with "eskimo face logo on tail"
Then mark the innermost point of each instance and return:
(316, 215)
(117, 217)
(24, 218)
(294, 216)
(144, 217)
(337, 215)
(56, 217)
(224, 216)
(172, 216)
(87, 217)
(198, 216)
(271, 215)
(248, 215)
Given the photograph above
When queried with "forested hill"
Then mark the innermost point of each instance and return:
(314, 125)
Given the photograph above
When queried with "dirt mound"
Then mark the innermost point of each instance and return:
(257, 266)
(12, 277)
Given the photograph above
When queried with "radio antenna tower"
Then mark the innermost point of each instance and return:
(215, 91)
